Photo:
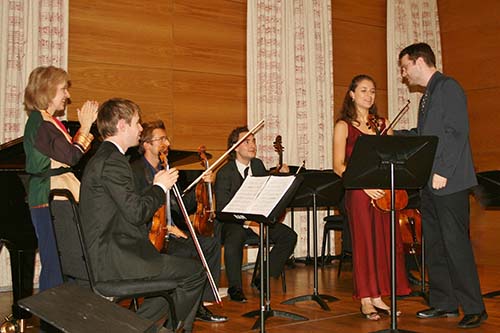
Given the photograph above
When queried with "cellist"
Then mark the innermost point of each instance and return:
(152, 143)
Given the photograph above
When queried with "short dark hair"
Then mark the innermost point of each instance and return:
(233, 138)
(111, 111)
(147, 132)
(419, 50)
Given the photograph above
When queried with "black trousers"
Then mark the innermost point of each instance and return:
(190, 278)
(453, 277)
(234, 236)
(211, 248)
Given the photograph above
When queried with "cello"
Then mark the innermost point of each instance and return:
(204, 217)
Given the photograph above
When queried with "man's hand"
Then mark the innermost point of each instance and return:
(209, 177)
(166, 177)
(284, 168)
(254, 226)
(438, 182)
(173, 230)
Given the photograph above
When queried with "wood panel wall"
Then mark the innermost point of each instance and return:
(359, 47)
(184, 61)
(471, 54)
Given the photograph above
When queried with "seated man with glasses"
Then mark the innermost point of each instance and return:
(153, 142)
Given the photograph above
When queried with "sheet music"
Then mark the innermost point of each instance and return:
(259, 195)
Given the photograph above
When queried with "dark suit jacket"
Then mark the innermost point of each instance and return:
(113, 217)
(445, 116)
(229, 180)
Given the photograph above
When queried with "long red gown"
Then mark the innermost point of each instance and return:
(370, 233)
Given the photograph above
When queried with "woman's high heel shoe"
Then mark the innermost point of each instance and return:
(370, 315)
(386, 312)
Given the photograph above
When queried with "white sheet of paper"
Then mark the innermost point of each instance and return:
(259, 195)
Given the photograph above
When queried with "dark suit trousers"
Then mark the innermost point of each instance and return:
(191, 279)
(234, 237)
(453, 277)
(211, 248)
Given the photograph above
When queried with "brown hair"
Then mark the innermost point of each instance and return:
(111, 111)
(42, 87)
(233, 138)
(147, 132)
(348, 111)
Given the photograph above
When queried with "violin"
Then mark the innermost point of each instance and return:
(377, 124)
(158, 230)
(205, 208)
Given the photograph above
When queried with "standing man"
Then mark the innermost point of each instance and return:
(243, 163)
(115, 216)
(154, 141)
(453, 277)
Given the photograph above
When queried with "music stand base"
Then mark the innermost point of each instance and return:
(305, 260)
(318, 298)
(397, 330)
(424, 295)
(492, 294)
(272, 313)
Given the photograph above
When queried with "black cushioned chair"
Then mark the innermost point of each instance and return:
(256, 270)
(76, 265)
(336, 223)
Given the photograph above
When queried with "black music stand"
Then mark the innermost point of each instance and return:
(320, 188)
(488, 194)
(265, 311)
(402, 162)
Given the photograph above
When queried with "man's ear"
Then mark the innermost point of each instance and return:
(120, 126)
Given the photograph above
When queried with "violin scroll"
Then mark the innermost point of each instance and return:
(278, 147)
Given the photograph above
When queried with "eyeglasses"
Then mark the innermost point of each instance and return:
(404, 67)
(161, 138)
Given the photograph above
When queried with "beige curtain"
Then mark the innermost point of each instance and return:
(32, 33)
(290, 84)
(408, 22)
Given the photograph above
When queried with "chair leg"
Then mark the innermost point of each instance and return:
(339, 269)
(283, 280)
(323, 244)
(256, 267)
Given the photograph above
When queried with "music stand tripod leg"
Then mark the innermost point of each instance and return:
(394, 327)
(318, 298)
(265, 310)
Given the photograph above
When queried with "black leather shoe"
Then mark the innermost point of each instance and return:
(236, 294)
(473, 320)
(436, 313)
(204, 314)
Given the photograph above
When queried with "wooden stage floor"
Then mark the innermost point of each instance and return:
(344, 315)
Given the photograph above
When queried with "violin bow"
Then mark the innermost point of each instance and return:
(397, 118)
(220, 159)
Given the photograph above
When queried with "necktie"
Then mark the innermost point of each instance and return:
(245, 173)
(423, 102)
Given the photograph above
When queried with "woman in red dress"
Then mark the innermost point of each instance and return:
(370, 227)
